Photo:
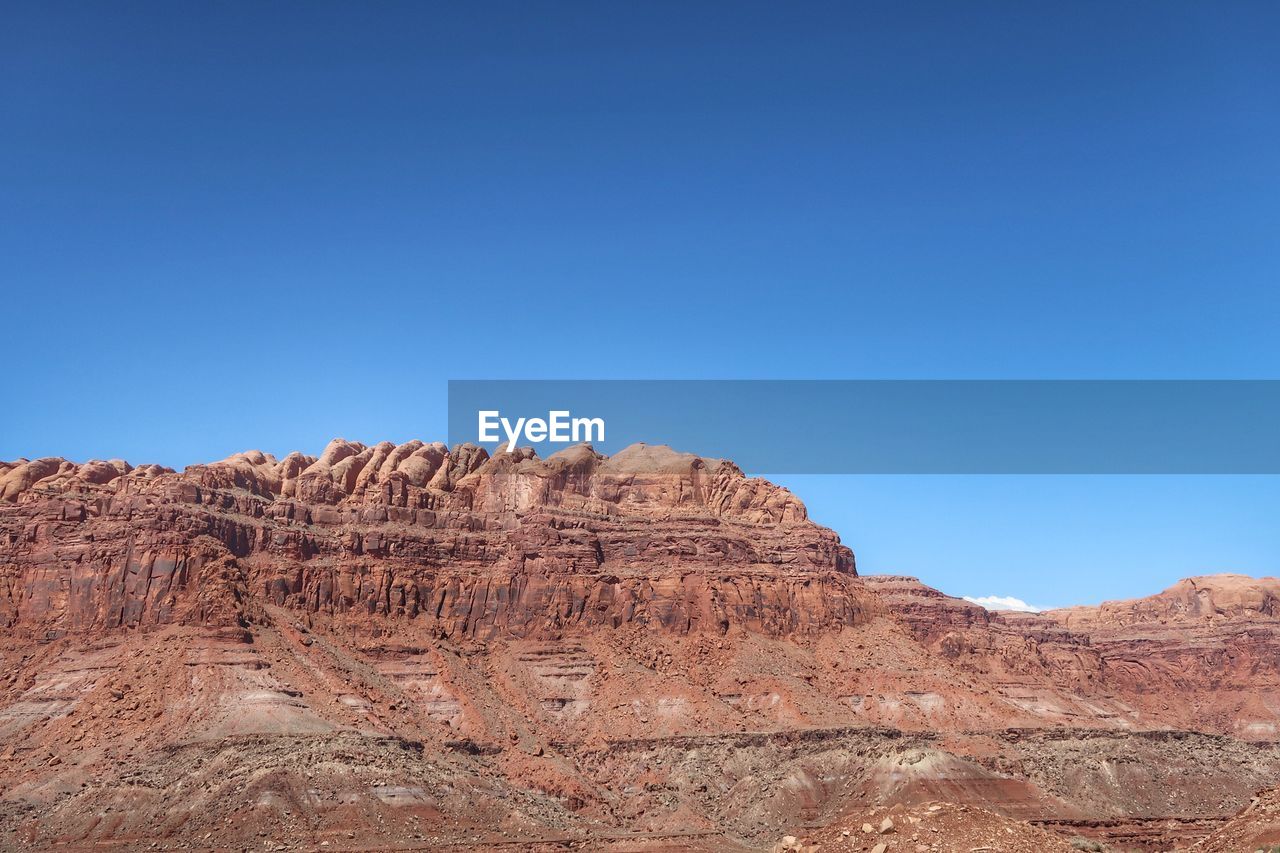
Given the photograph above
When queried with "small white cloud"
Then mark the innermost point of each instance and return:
(1003, 602)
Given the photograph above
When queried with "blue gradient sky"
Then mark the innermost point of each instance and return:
(267, 224)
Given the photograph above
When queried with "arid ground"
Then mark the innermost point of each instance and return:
(411, 648)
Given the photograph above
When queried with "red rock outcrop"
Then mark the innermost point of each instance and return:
(1193, 602)
(474, 545)
(412, 645)
(1202, 655)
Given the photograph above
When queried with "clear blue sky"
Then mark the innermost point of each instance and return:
(265, 224)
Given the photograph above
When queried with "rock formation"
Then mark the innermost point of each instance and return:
(408, 644)
(471, 545)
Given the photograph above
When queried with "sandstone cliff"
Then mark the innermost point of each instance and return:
(474, 545)
(411, 645)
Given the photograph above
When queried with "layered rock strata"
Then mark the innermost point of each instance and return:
(406, 646)
(476, 546)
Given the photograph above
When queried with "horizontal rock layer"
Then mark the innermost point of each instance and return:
(475, 545)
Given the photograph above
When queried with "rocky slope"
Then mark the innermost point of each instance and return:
(1255, 827)
(407, 646)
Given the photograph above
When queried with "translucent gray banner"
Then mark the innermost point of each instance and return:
(894, 426)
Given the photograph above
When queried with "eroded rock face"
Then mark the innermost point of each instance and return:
(1190, 602)
(476, 546)
(1206, 651)
(1202, 655)
(407, 645)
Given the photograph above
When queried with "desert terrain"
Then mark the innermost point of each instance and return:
(411, 647)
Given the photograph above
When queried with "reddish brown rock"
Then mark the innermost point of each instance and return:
(1193, 602)
(472, 545)
(406, 645)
